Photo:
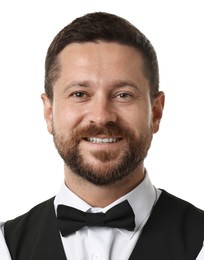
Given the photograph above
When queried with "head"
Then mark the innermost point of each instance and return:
(102, 102)
(106, 27)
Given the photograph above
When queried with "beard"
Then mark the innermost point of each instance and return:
(113, 165)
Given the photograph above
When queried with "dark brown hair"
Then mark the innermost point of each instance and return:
(97, 26)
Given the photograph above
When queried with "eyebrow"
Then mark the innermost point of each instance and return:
(76, 84)
(124, 83)
(116, 84)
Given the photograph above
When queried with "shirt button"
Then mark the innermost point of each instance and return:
(96, 257)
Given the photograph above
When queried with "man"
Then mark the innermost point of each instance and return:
(102, 105)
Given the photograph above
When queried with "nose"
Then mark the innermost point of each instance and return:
(102, 112)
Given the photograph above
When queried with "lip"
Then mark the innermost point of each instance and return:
(103, 143)
(103, 140)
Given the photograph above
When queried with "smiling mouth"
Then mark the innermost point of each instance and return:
(102, 140)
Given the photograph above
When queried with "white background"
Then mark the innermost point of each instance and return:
(30, 168)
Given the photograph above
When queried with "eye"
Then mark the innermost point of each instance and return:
(123, 95)
(79, 94)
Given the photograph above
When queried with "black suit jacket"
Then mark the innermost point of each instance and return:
(174, 231)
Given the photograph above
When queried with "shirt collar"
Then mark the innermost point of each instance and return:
(142, 199)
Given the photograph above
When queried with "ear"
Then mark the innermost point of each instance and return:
(47, 111)
(157, 110)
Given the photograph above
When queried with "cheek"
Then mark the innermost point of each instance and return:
(140, 120)
(65, 120)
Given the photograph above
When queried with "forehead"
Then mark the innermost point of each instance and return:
(100, 62)
(105, 51)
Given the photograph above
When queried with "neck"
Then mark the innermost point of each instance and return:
(104, 195)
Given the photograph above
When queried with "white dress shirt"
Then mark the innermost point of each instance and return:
(201, 255)
(103, 243)
(4, 253)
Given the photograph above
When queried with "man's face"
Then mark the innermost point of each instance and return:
(101, 116)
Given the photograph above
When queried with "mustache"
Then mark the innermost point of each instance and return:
(111, 129)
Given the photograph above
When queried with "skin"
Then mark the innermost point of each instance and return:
(99, 83)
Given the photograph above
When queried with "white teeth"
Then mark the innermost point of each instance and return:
(102, 140)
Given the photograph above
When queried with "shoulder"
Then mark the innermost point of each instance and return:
(26, 234)
(170, 201)
(36, 214)
(181, 213)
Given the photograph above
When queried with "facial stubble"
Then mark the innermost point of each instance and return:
(113, 165)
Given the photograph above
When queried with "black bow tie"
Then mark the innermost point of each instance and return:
(71, 220)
